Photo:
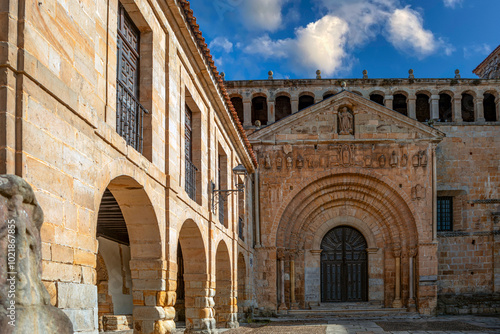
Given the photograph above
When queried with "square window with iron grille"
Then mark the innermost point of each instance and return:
(445, 213)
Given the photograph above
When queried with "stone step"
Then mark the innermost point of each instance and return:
(354, 312)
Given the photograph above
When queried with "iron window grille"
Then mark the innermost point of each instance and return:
(240, 228)
(445, 213)
(130, 117)
(221, 210)
(129, 112)
(190, 167)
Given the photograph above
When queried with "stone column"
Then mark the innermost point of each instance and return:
(434, 101)
(434, 193)
(457, 108)
(397, 295)
(271, 118)
(281, 258)
(388, 101)
(257, 210)
(497, 104)
(295, 104)
(293, 303)
(411, 300)
(247, 112)
(412, 106)
(479, 109)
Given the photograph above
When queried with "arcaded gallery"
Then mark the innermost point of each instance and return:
(172, 196)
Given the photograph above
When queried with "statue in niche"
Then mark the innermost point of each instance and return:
(346, 153)
(381, 160)
(368, 161)
(300, 162)
(346, 122)
(394, 159)
(404, 160)
(417, 192)
(267, 163)
(279, 163)
(423, 158)
(323, 162)
(289, 162)
(415, 160)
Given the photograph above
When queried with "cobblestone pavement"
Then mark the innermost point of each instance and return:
(418, 325)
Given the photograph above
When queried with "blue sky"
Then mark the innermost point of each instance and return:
(294, 38)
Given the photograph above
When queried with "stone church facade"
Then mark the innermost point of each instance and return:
(377, 191)
(406, 170)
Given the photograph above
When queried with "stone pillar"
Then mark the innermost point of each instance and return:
(434, 193)
(281, 258)
(312, 277)
(412, 106)
(153, 307)
(434, 101)
(388, 101)
(257, 210)
(497, 104)
(271, 118)
(457, 108)
(199, 304)
(397, 295)
(479, 109)
(295, 104)
(247, 112)
(411, 300)
(293, 302)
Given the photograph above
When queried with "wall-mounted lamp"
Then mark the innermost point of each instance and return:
(239, 170)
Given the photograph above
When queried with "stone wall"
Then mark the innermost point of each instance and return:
(468, 255)
(58, 108)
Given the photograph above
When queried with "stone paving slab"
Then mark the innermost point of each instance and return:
(421, 325)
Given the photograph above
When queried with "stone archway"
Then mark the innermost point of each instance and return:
(198, 295)
(344, 266)
(130, 243)
(223, 287)
(369, 203)
(242, 286)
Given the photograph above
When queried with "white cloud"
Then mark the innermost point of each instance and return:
(263, 14)
(451, 3)
(477, 49)
(267, 48)
(349, 24)
(221, 43)
(406, 33)
(319, 45)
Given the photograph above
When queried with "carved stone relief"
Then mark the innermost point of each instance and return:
(289, 162)
(381, 161)
(404, 160)
(287, 149)
(346, 122)
(300, 162)
(279, 163)
(346, 153)
(394, 159)
(267, 162)
(422, 158)
(417, 192)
